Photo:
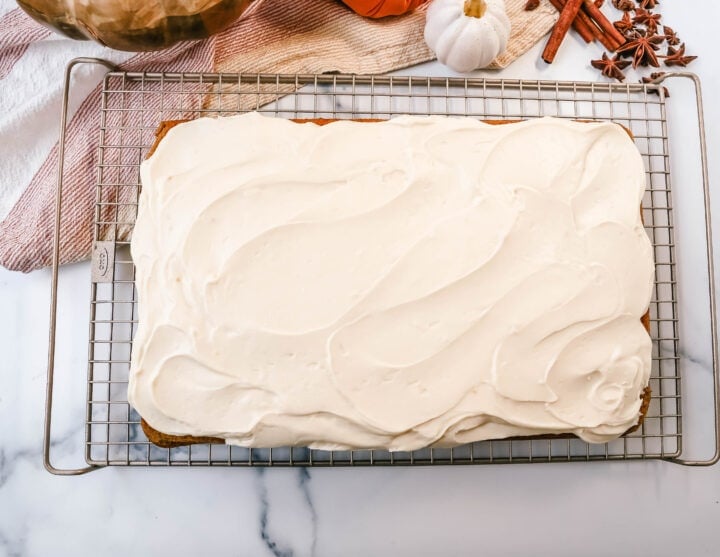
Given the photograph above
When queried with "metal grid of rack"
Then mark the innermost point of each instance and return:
(132, 106)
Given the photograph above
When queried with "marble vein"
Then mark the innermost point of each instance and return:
(272, 545)
(304, 477)
(286, 495)
(702, 361)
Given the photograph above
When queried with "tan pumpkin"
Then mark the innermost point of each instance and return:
(137, 24)
(383, 8)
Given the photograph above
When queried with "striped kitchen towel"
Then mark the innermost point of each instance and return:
(276, 36)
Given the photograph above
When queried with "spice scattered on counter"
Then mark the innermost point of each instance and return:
(677, 57)
(642, 46)
(564, 22)
(588, 21)
(604, 23)
(639, 35)
(624, 5)
(670, 36)
(611, 67)
(624, 25)
(652, 77)
(582, 26)
(648, 19)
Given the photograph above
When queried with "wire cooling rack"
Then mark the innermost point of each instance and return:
(134, 103)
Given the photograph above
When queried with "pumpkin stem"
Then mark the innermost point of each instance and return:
(475, 8)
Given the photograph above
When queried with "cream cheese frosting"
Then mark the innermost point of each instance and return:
(423, 281)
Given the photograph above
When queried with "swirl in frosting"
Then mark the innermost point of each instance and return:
(415, 282)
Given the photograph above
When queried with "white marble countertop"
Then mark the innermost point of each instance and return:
(634, 508)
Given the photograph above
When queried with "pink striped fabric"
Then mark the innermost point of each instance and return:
(26, 233)
(17, 33)
(302, 36)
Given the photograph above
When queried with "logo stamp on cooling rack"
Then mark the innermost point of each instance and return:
(103, 261)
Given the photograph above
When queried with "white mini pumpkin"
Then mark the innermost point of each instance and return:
(467, 34)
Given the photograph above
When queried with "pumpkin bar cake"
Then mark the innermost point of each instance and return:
(422, 281)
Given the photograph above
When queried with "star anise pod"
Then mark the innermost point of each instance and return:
(649, 4)
(611, 67)
(642, 46)
(624, 5)
(625, 24)
(677, 57)
(653, 77)
(648, 19)
(670, 36)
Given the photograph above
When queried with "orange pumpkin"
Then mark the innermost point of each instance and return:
(382, 8)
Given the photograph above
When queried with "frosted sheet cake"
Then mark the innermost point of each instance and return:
(420, 281)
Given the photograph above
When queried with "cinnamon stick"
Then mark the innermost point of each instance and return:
(606, 40)
(604, 23)
(568, 14)
(583, 20)
(580, 26)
